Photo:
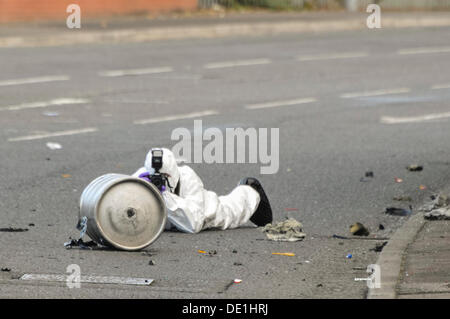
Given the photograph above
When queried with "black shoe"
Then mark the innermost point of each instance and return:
(263, 214)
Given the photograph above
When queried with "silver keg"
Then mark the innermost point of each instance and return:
(122, 211)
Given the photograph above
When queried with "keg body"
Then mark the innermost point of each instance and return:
(122, 211)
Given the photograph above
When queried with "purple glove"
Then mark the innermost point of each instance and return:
(145, 176)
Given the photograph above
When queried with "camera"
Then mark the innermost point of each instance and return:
(158, 179)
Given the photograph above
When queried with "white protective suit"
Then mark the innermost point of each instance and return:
(195, 208)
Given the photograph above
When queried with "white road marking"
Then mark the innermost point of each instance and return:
(54, 134)
(229, 64)
(175, 117)
(42, 79)
(280, 103)
(142, 71)
(440, 86)
(414, 119)
(137, 101)
(425, 50)
(54, 102)
(332, 56)
(375, 93)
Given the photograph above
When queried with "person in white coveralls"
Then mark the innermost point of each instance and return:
(191, 208)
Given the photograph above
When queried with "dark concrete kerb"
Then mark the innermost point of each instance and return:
(391, 258)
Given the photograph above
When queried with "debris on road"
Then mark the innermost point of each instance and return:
(422, 187)
(80, 243)
(151, 263)
(368, 174)
(438, 214)
(54, 146)
(110, 280)
(284, 254)
(201, 251)
(359, 237)
(212, 253)
(13, 230)
(66, 175)
(381, 227)
(237, 281)
(359, 229)
(394, 211)
(402, 198)
(415, 168)
(379, 247)
(398, 180)
(6, 269)
(349, 256)
(439, 201)
(288, 230)
(237, 264)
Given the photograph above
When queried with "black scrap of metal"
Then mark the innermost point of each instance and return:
(379, 247)
(415, 168)
(80, 243)
(360, 238)
(394, 211)
(13, 230)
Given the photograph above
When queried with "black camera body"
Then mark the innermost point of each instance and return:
(157, 179)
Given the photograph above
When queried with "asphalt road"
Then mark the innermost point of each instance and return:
(369, 96)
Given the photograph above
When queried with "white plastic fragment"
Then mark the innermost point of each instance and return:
(54, 146)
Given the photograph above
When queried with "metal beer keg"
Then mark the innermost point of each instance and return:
(122, 211)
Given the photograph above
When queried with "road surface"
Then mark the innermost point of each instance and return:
(345, 103)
